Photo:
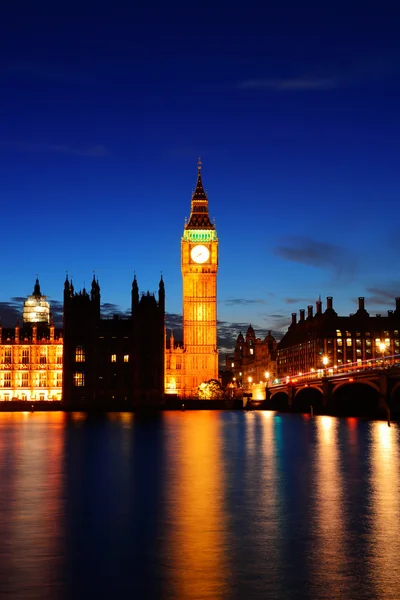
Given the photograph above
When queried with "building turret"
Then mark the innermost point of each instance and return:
(95, 296)
(161, 295)
(135, 294)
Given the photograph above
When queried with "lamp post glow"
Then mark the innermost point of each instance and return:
(325, 361)
(382, 348)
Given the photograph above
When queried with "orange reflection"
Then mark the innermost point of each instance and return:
(329, 560)
(32, 490)
(385, 509)
(197, 558)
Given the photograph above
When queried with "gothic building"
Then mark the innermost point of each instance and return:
(253, 362)
(31, 356)
(325, 340)
(196, 361)
(116, 362)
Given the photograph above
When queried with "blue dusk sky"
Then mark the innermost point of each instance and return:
(293, 108)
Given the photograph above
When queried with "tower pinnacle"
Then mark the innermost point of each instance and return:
(199, 217)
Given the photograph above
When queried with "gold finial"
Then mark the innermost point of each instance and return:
(199, 163)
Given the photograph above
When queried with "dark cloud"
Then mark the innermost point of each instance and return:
(242, 301)
(109, 310)
(384, 296)
(10, 312)
(173, 323)
(296, 300)
(315, 253)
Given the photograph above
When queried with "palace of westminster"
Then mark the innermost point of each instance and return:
(92, 361)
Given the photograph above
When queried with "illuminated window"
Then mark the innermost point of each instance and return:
(42, 379)
(126, 357)
(113, 358)
(43, 356)
(7, 380)
(368, 342)
(25, 381)
(59, 379)
(349, 341)
(59, 355)
(25, 356)
(339, 342)
(79, 354)
(251, 350)
(348, 334)
(358, 343)
(79, 379)
(338, 333)
(7, 356)
(232, 364)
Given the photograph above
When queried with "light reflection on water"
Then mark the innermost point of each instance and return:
(198, 505)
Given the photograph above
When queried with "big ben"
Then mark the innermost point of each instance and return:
(199, 265)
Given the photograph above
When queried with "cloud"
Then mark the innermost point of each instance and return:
(290, 84)
(109, 310)
(96, 150)
(314, 253)
(384, 296)
(242, 301)
(11, 311)
(296, 300)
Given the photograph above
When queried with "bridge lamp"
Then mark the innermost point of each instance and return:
(249, 379)
(382, 348)
(266, 375)
(325, 361)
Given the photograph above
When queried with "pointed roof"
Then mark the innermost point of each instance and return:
(199, 217)
(36, 289)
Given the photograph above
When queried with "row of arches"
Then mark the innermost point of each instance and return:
(349, 399)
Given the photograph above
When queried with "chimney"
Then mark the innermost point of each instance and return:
(309, 311)
(390, 313)
(361, 305)
(294, 318)
(319, 307)
(302, 313)
(329, 302)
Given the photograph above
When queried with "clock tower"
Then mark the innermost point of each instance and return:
(199, 265)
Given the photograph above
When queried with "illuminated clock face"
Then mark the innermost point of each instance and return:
(200, 254)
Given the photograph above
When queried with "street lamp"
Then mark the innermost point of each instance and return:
(382, 348)
(325, 361)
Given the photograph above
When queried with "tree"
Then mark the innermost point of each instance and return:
(210, 390)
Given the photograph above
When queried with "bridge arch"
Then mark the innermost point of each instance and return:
(278, 400)
(340, 384)
(356, 398)
(307, 396)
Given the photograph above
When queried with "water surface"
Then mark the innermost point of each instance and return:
(198, 504)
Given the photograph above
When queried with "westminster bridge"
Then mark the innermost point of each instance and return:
(351, 390)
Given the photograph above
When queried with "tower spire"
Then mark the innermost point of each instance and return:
(199, 217)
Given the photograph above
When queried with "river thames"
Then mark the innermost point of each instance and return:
(198, 504)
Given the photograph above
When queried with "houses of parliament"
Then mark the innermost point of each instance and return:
(92, 361)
